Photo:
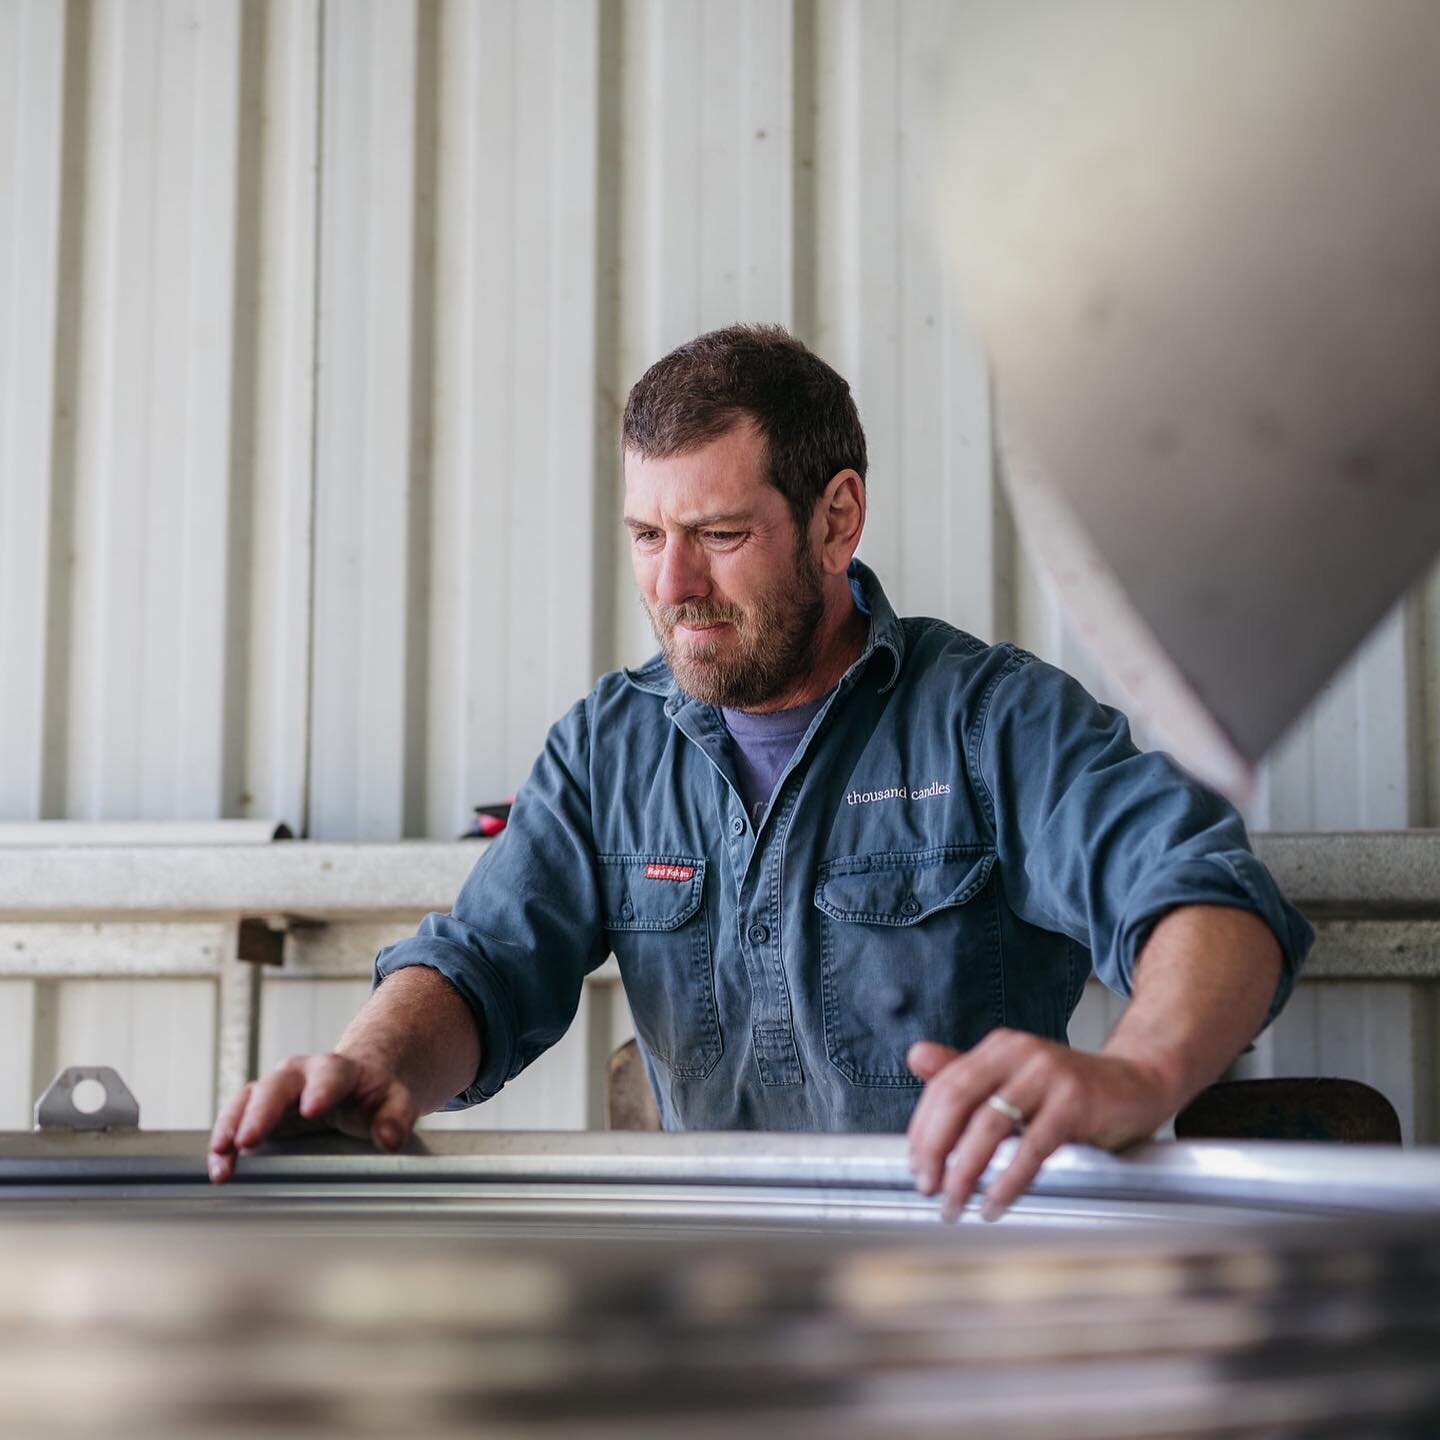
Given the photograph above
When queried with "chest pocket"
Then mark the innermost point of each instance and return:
(656, 923)
(909, 950)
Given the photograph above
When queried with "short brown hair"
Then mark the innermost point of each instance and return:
(801, 407)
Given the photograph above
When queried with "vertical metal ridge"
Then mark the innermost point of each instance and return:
(839, 93)
(278, 583)
(91, 404)
(1428, 641)
(506, 327)
(69, 320)
(423, 372)
(804, 297)
(1004, 585)
(572, 296)
(312, 541)
(464, 562)
(208, 53)
(611, 178)
(32, 50)
(44, 1037)
(363, 403)
(250, 202)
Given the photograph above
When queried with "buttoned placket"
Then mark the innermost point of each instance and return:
(755, 864)
(757, 906)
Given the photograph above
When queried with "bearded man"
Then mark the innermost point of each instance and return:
(855, 869)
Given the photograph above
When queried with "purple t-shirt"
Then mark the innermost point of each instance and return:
(763, 745)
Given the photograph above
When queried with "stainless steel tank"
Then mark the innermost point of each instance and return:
(1202, 242)
(707, 1285)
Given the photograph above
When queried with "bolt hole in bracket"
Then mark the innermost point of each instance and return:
(87, 1097)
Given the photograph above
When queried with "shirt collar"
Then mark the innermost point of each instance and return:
(886, 634)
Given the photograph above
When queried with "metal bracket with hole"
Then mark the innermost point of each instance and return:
(56, 1108)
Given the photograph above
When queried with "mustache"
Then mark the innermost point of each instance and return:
(670, 616)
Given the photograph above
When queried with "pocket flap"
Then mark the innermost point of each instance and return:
(650, 892)
(901, 889)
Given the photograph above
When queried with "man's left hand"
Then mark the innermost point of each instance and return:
(1060, 1094)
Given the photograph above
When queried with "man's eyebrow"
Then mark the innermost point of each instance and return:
(739, 518)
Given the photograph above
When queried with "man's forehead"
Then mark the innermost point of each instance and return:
(699, 486)
(699, 520)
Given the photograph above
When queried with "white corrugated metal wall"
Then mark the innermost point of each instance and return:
(315, 322)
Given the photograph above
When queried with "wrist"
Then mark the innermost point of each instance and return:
(1159, 1074)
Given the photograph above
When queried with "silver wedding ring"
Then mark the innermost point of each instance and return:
(1012, 1113)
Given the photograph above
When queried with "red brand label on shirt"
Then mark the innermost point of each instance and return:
(669, 872)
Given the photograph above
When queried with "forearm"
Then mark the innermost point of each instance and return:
(419, 1028)
(1203, 986)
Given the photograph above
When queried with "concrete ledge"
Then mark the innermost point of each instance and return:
(1360, 873)
(299, 878)
(1375, 950)
(1393, 874)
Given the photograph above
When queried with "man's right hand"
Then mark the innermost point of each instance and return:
(313, 1092)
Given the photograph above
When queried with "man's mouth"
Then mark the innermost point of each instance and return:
(699, 627)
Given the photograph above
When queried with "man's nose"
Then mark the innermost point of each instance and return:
(682, 575)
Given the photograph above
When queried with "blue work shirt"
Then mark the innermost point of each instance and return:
(961, 836)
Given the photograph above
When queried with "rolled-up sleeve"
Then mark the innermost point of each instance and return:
(1098, 840)
(525, 929)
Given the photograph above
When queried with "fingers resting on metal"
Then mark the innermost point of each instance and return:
(1009, 1082)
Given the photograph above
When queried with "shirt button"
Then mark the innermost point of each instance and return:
(759, 934)
(626, 909)
(737, 826)
(911, 906)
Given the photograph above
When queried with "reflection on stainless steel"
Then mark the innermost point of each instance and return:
(1316, 1179)
(651, 1286)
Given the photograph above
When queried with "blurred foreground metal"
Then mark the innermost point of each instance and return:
(652, 1285)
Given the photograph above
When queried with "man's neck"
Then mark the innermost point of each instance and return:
(838, 644)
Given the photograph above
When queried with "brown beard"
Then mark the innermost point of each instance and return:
(771, 649)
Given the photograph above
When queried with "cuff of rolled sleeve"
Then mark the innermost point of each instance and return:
(481, 991)
(1236, 879)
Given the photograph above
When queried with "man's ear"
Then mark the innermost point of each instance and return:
(839, 520)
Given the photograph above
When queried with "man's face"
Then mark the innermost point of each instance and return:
(733, 592)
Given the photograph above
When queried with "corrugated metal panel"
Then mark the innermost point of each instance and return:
(299, 1017)
(270, 656)
(707, 160)
(17, 1026)
(372, 322)
(476, 222)
(1384, 1035)
(159, 1034)
(151, 504)
(710, 146)
(889, 319)
(303, 1017)
(512, 641)
(1364, 757)
(32, 55)
(1355, 761)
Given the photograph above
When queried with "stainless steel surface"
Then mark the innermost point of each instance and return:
(57, 1110)
(1253, 1177)
(1297, 1331)
(1215, 327)
(651, 1285)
